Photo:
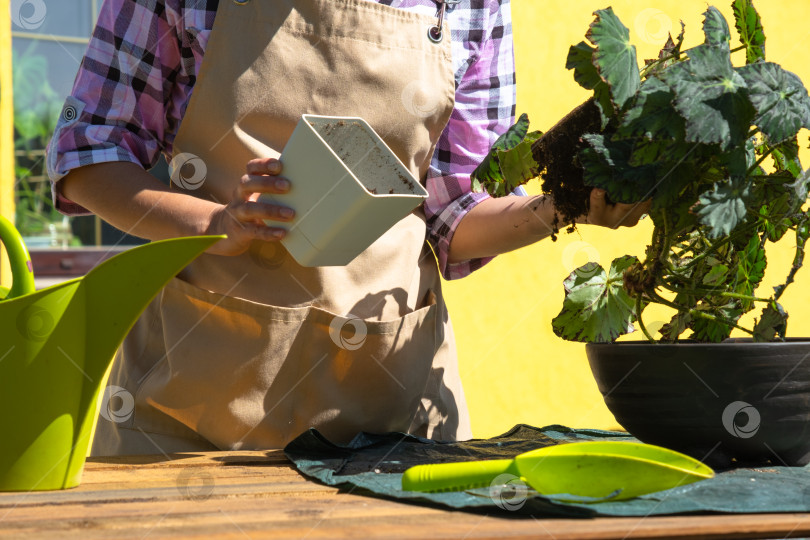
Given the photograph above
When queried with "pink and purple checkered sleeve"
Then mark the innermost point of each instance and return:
(138, 70)
(485, 108)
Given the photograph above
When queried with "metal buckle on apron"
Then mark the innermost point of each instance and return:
(435, 33)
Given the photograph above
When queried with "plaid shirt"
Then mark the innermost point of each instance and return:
(140, 67)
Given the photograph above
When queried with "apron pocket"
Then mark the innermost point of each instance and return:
(250, 375)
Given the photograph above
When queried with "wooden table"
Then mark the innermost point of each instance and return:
(260, 495)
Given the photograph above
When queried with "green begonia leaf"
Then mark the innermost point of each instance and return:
(651, 114)
(737, 161)
(711, 96)
(676, 326)
(715, 28)
(648, 151)
(518, 165)
(514, 135)
(509, 163)
(786, 157)
(596, 308)
(772, 323)
(751, 269)
(597, 169)
(780, 99)
(606, 166)
(749, 27)
(750, 154)
(580, 59)
(615, 57)
(486, 175)
(675, 195)
(667, 56)
(802, 235)
(779, 197)
(772, 215)
(714, 331)
(774, 202)
(799, 190)
(716, 275)
(723, 208)
(673, 47)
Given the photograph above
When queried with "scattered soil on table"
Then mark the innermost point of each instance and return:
(556, 152)
(369, 162)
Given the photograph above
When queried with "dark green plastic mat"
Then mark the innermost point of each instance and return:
(373, 464)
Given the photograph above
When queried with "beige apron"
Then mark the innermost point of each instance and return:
(250, 351)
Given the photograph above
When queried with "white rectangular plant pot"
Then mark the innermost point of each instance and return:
(348, 189)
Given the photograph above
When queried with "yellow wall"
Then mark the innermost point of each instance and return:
(515, 370)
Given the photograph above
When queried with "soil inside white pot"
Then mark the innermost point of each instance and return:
(369, 162)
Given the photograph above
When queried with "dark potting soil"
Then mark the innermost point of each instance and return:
(369, 162)
(556, 153)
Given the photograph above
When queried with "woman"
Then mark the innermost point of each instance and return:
(246, 349)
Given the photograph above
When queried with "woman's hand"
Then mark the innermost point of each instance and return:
(613, 215)
(131, 199)
(242, 219)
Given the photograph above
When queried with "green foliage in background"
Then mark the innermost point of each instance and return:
(36, 110)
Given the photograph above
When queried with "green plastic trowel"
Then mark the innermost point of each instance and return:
(598, 470)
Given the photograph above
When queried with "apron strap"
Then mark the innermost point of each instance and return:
(435, 33)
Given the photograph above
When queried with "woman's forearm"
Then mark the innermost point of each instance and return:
(499, 225)
(129, 198)
(496, 226)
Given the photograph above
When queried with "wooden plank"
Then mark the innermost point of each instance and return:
(344, 518)
(164, 494)
(166, 476)
(270, 457)
(258, 494)
(267, 511)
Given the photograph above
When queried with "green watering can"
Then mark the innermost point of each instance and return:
(56, 346)
(595, 470)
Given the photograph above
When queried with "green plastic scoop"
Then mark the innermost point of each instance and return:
(56, 346)
(602, 470)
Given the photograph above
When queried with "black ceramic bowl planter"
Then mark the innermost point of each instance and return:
(733, 403)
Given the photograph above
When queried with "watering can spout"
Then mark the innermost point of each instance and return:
(119, 289)
(56, 347)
